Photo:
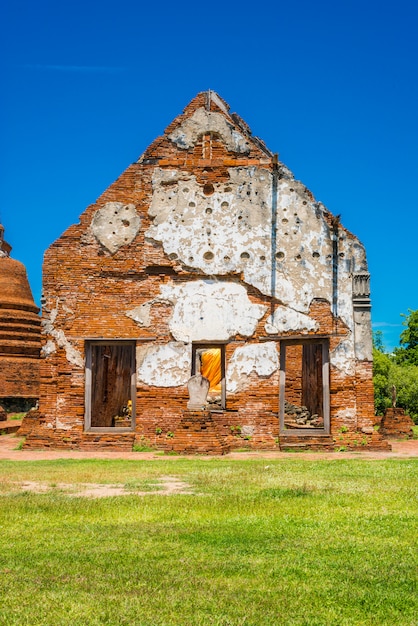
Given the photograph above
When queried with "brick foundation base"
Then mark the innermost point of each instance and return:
(396, 424)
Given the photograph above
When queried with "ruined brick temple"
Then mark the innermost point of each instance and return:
(206, 301)
(20, 335)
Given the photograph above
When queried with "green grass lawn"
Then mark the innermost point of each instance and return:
(256, 542)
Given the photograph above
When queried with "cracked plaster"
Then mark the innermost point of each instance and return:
(260, 358)
(286, 319)
(230, 231)
(342, 357)
(210, 311)
(59, 339)
(166, 365)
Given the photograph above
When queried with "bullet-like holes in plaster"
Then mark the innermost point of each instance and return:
(240, 217)
(172, 256)
(208, 211)
(315, 254)
(208, 189)
(279, 255)
(284, 220)
(208, 256)
(224, 205)
(291, 189)
(244, 256)
(191, 259)
(227, 189)
(192, 205)
(304, 202)
(208, 231)
(126, 223)
(186, 190)
(298, 257)
(341, 255)
(227, 259)
(262, 258)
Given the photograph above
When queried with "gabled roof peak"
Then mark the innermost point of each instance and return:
(209, 114)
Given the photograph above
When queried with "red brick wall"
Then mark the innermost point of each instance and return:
(88, 291)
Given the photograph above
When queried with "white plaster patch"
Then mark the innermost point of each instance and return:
(167, 365)
(260, 358)
(347, 414)
(363, 341)
(211, 311)
(115, 225)
(189, 132)
(141, 314)
(230, 230)
(49, 348)
(72, 354)
(285, 319)
(342, 357)
(67, 425)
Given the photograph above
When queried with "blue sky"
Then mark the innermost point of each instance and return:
(331, 86)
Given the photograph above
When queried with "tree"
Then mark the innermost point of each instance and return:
(408, 352)
(378, 340)
(399, 369)
(382, 365)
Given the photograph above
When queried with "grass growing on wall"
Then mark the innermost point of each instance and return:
(289, 541)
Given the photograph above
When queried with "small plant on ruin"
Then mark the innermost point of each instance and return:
(20, 444)
(143, 445)
(170, 434)
(158, 431)
(343, 429)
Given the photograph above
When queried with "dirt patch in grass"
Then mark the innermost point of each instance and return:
(165, 486)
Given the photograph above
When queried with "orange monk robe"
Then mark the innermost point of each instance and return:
(211, 368)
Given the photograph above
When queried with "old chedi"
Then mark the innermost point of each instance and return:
(20, 335)
(206, 259)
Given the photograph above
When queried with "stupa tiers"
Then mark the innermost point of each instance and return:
(20, 334)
